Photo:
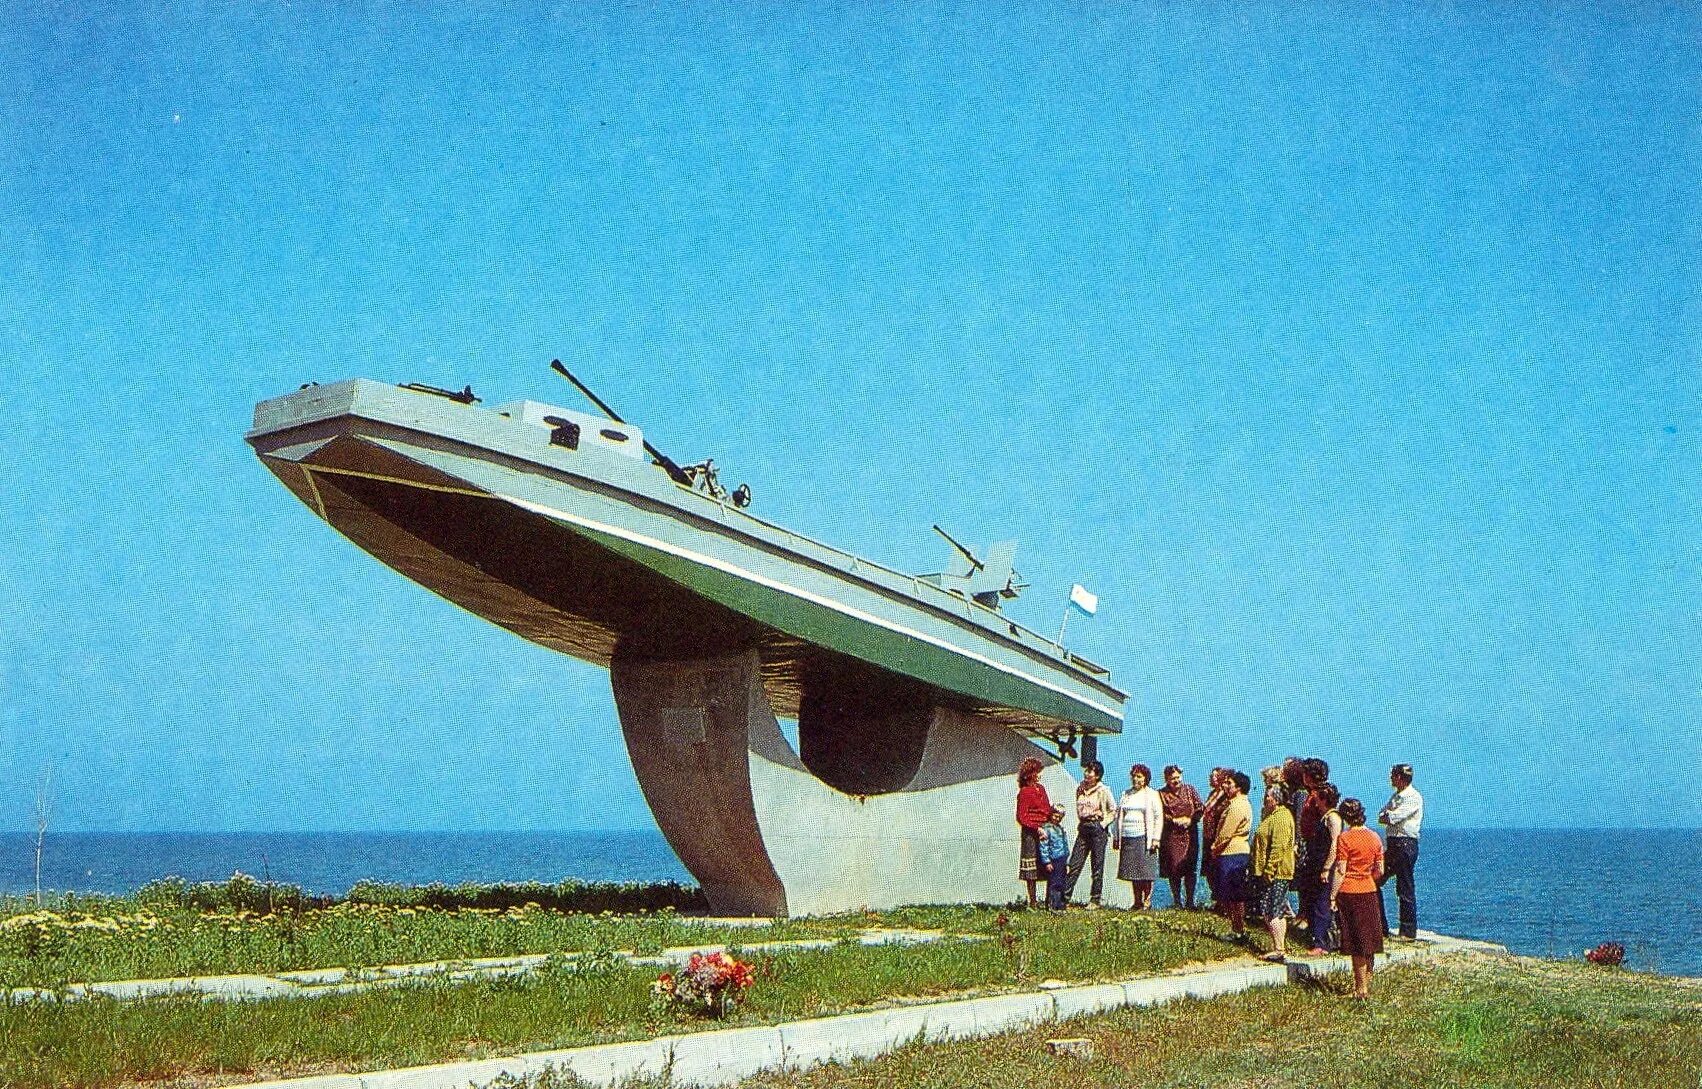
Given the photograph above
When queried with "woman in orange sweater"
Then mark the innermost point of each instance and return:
(1353, 893)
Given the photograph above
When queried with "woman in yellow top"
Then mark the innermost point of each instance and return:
(1273, 866)
(1229, 851)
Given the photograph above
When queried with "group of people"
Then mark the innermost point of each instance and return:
(1308, 839)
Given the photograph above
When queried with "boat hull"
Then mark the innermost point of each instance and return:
(582, 563)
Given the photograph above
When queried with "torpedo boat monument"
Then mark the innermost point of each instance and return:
(915, 696)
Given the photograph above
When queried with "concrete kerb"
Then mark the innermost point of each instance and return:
(726, 1056)
(212, 987)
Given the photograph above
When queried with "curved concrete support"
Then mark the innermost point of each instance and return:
(765, 836)
(688, 727)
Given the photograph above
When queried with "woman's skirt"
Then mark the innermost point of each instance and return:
(1273, 901)
(1178, 851)
(1028, 863)
(1359, 919)
(1135, 862)
(1231, 878)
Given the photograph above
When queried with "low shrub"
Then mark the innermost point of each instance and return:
(239, 892)
(570, 896)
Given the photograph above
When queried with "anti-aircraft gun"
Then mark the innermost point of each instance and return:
(988, 582)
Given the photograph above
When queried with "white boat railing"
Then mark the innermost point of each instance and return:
(919, 588)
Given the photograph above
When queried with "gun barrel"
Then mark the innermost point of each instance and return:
(974, 564)
(675, 473)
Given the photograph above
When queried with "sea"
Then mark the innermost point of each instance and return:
(1542, 892)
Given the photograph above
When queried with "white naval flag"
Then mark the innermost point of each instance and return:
(1082, 599)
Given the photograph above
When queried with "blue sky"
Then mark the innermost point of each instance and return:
(1350, 355)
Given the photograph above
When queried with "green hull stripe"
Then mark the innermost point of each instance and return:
(871, 643)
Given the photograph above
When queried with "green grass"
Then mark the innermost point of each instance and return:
(106, 1043)
(1478, 1022)
(171, 929)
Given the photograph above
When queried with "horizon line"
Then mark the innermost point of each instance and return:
(604, 830)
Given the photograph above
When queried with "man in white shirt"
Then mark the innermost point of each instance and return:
(1400, 819)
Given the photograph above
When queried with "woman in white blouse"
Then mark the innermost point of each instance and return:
(1140, 821)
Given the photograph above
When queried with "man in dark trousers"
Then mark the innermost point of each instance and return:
(1400, 819)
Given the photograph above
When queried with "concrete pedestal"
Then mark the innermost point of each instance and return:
(763, 835)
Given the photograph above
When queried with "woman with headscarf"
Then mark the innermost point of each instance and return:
(1140, 818)
(1273, 867)
(1179, 845)
(1033, 809)
(1271, 777)
(1354, 896)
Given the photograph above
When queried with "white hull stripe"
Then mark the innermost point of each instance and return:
(817, 599)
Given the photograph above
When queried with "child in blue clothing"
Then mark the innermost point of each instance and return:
(1054, 856)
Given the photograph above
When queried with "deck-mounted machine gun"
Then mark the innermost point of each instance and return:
(706, 479)
(987, 582)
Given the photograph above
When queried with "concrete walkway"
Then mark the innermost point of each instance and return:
(725, 1056)
(323, 981)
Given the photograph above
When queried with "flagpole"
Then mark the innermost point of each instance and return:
(1064, 625)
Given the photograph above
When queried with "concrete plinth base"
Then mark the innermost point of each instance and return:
(765, 836)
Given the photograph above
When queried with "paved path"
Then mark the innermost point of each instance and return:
(323, 981)
(725, 1056)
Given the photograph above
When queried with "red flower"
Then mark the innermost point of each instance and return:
(1611, 954)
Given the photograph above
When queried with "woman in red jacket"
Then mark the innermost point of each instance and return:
(1033, 809)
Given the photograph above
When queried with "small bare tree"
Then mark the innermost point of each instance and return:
(43, 810)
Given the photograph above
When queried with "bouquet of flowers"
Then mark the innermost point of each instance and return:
(709, 984)
(1610, 954)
